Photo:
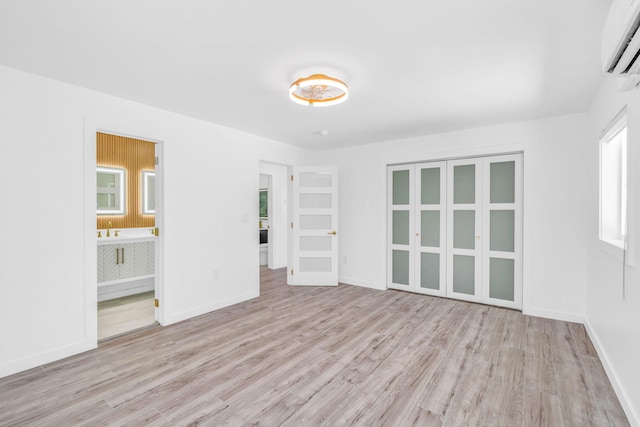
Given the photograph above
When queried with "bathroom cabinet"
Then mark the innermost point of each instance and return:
(125, 268)
(118, 262)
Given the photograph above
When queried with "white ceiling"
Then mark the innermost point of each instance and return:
(413, 67)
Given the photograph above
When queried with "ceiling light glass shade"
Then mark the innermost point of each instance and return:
(318, 90)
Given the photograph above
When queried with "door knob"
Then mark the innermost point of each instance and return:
(332, 232)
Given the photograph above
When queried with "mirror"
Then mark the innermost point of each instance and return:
(264, 214)
(148, 193)
(110, 191)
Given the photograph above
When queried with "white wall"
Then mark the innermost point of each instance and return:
(277, 214)
(613, 321)
(47, 217)
(554, 205)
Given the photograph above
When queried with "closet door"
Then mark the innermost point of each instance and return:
(464, 227)
(502, 247)
(430, 228)
(400, 226)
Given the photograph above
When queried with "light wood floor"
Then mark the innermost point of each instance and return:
(125, 314)
(304, 356)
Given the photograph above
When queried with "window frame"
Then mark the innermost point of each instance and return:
(618, 125)
(119, 191)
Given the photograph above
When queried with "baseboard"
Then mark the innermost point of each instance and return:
(206, 308)
(555, 315)
(43, 358)
(634, 418)
(361, 283)
(118, 290)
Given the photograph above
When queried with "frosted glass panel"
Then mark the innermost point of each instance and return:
(400, 228)
(314, 179)
(464, 229)
(502, 231)
(315, 222)
(400, 267)
(464, 274)
(464, 184)
(401, 187)
(315, 265)
(430, 186)
(503, 181)
(430, 271)
(315, 243)
(501, 278)
(315, 201)
(430, 228)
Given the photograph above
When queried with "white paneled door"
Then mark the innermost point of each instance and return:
(416, 227)
(314, 226)
(455, 229)
(400, 227)
(464, 211)
(502, 228)
(430, 228)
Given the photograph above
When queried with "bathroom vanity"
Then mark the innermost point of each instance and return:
(126, 265)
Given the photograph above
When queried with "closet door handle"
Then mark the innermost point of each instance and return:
(123, 255)
(117, 256)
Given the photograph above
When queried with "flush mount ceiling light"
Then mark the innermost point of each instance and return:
(318, 90)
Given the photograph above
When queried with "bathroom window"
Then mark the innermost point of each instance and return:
(613, 183)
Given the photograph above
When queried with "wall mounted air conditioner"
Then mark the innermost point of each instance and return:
(621, 42)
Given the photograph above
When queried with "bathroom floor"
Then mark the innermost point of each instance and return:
(125, 314)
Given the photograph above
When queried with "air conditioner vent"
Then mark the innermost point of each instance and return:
(621, 43)
(624, 46)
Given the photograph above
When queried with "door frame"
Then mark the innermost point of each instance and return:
(422, 155)
(91, 127)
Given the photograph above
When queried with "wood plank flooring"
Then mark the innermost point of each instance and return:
(125, 314)
(306, 356)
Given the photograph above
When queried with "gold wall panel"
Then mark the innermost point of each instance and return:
(135, 156)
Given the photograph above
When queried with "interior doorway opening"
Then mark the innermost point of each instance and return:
(263, 218)
(127, 233)
(272, 215)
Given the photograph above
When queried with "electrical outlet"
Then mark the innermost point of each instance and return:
(344, 259)
(216, 274)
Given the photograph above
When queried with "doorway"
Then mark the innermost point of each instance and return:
(126, 201)
(272, 215)
(264, 196)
